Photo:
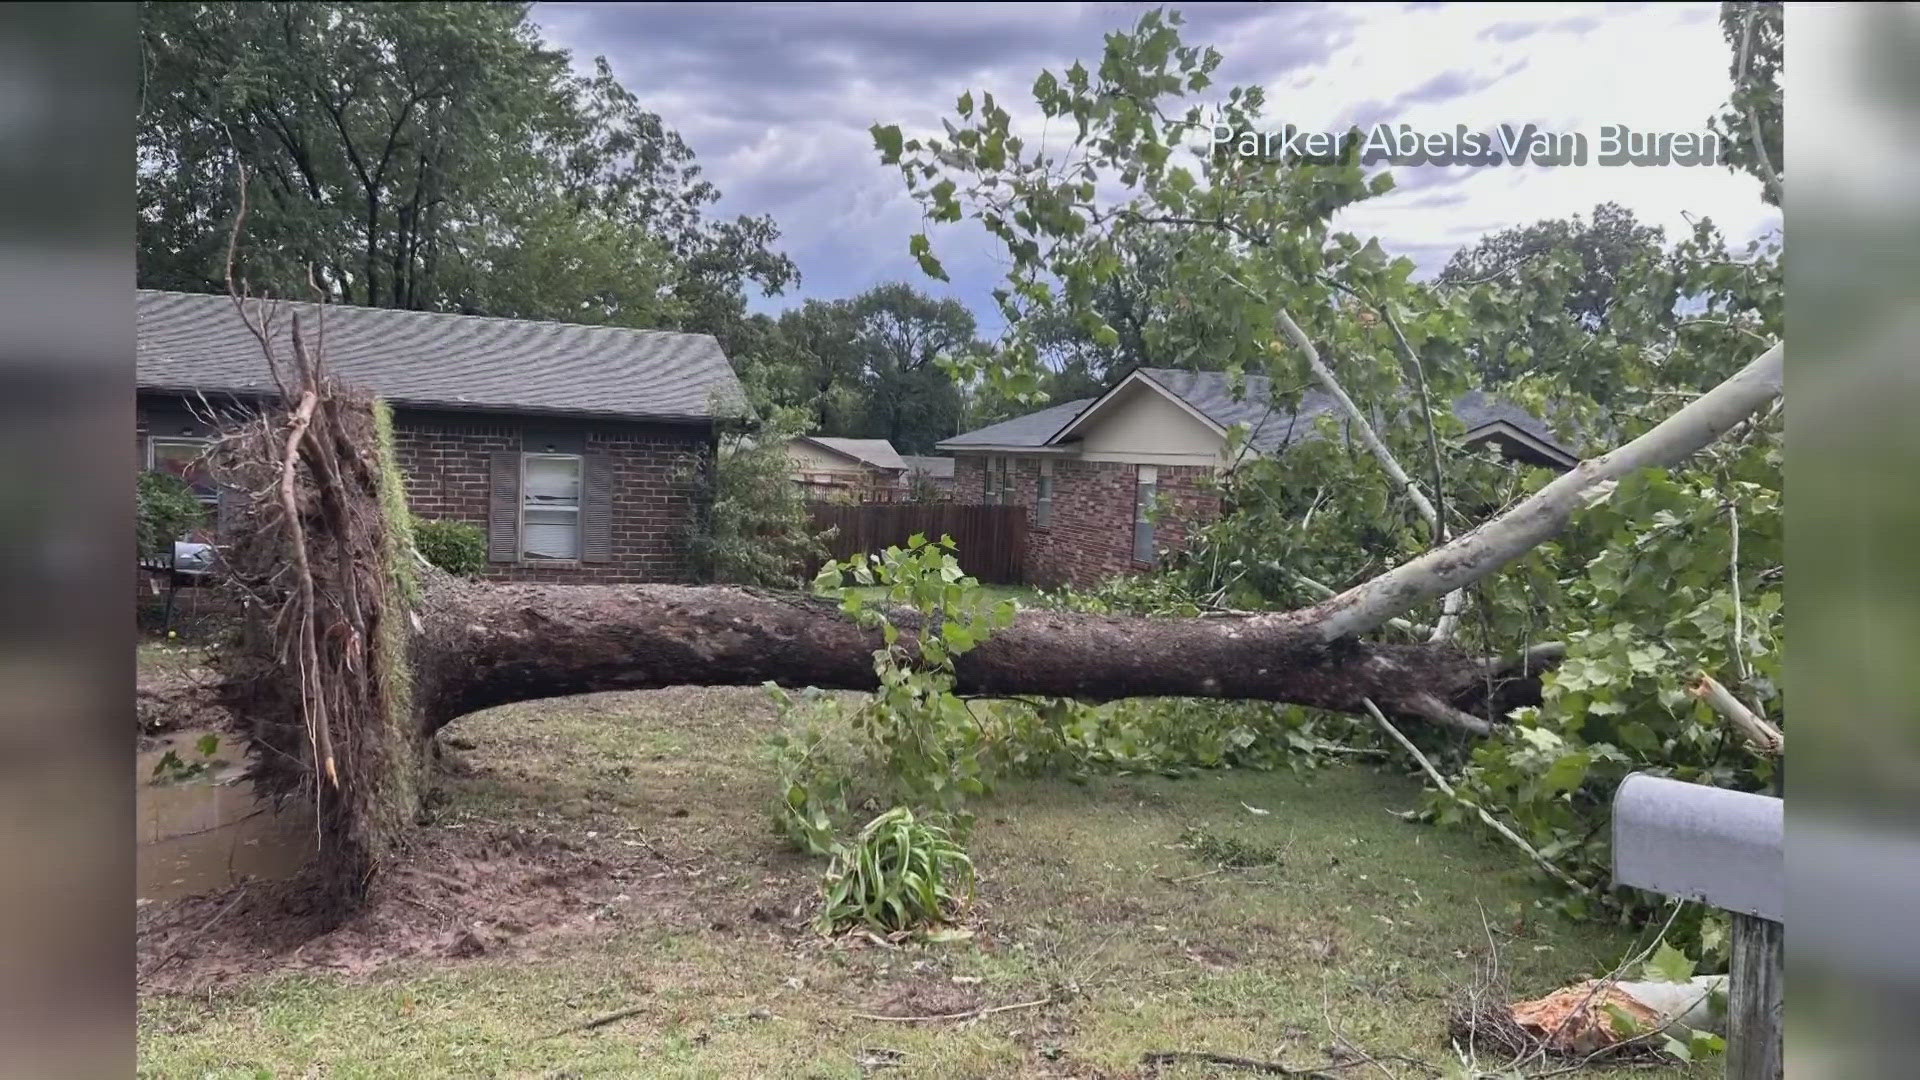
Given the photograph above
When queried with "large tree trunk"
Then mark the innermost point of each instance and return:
(488, 645)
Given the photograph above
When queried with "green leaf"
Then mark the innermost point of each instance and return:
(1669, 965)
(965, 105)
(887, 141)
(1678, 1049)
(1624, 1024)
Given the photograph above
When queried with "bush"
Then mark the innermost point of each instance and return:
(458, 547)
(167, 510)
(901, 873)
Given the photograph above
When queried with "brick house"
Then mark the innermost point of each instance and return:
(573, 447)
(1088, 471)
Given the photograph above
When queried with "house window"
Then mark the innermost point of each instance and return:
(996, 482)
(1143, 489)
(550, 506)
(1043, 496)
(186, 459)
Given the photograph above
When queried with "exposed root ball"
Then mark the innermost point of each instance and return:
(317, 671)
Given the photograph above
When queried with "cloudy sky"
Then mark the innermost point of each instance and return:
(776, 100)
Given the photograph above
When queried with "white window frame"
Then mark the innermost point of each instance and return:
(200, 444)
(1043, 496)
(1146, 485)
(578, 508)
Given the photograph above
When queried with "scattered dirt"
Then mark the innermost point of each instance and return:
(930, 996)
(175, 698)
(457, 894)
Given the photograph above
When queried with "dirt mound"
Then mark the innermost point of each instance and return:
(454, 894)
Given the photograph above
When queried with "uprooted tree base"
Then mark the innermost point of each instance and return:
(316, 673)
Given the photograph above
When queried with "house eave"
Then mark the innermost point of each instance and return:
(997, 448)
(255, 394)
(1503, 429)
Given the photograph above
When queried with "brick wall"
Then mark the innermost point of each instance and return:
(444, 459)
(1090, 535)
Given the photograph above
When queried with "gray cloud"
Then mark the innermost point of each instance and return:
(1509, 32)
(776, 100)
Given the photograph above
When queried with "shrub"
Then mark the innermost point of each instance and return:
(913, 742)
(901, 873)
(753, 527)
(167, 510)
(458, 547)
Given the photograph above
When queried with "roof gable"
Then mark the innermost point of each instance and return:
(1210, 397)
(1030, 432)
(197, 342)
(878, 453)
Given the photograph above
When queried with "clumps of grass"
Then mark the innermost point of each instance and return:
(900, 873)
(1231, 852)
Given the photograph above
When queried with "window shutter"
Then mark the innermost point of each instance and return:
(596, 510)
(503, 508)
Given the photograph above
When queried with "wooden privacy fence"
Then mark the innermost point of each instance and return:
(990, 541)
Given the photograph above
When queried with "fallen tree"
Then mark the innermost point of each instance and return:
(354, 653)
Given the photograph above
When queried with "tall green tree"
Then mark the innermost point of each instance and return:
(427, 155)
(902, 338)
(1751, 123)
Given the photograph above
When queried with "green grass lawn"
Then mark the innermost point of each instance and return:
(1104, 901)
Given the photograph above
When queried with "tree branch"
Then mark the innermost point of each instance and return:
(1446, 789)
(1490, 546)
(1761, 735)
(1770, 177)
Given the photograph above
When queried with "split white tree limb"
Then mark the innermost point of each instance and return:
(1456, 601)
(1324, 591)
(1760, 734)
(1368, 438)
(1494, 544)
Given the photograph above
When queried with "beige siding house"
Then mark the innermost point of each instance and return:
(1091, 471)
(834, 469)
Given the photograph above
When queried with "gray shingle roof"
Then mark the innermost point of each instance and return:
(1270, 428)
(1031, 430)
(191, 341)
(1211, 393)
(878, 453)
(939, 468)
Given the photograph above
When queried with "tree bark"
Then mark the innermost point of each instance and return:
(483, 646)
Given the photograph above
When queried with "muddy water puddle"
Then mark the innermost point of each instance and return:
(201, 826)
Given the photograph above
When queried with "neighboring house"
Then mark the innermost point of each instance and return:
(1089, 470)
(838, 469)
(933, 473)
(574, 447)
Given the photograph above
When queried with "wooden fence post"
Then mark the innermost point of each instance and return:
(1755, 999)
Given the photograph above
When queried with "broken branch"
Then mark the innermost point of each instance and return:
(1492, 822)
(1760, 734)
